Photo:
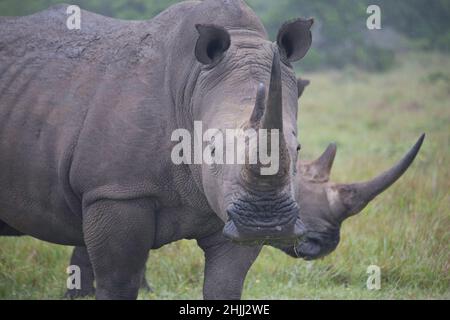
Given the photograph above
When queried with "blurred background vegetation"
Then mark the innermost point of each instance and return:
(340, 36)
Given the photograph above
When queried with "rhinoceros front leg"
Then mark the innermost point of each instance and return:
(81, 259)
(226, 266)
(118, 237)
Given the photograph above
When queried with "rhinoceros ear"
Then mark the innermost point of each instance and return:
(294, 39)
(212, 43)
(302, 84)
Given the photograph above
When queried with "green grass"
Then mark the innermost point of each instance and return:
(374, 119)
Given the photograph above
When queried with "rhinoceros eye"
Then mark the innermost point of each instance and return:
(299, 147)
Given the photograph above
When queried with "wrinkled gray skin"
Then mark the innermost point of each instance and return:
(86, 118)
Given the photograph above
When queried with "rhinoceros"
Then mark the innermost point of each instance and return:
(85, 141)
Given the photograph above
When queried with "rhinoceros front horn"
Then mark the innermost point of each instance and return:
(273, 113)
(269, 114)
(352, 198)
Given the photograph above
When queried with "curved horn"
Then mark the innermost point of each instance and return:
(273, 115)
(319, 169)
(354, 197)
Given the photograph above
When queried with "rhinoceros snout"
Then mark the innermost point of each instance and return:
(264, 221)
(258, 236)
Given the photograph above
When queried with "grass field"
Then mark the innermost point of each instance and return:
(374, 119)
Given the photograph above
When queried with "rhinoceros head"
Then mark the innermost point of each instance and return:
(324, 205)
(247, 82)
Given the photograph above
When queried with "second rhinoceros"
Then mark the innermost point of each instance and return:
(86, 118)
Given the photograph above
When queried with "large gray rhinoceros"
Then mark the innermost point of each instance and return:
(85, 141)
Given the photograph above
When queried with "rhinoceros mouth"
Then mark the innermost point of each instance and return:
(264, 220)
(315, 245)
(279, 235)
